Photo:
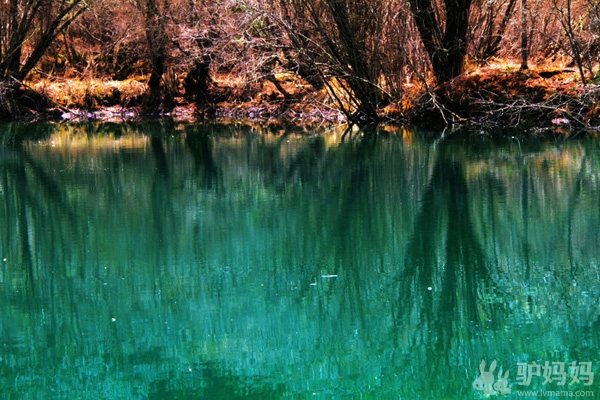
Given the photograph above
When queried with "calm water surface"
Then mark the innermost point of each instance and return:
(221, 262)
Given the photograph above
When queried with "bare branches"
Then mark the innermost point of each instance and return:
(34, 24)
(490, 21)
(558, 110)
(348, 45)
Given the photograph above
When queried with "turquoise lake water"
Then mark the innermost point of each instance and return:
(180, 261)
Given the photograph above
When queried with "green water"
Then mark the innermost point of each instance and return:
(221, 262)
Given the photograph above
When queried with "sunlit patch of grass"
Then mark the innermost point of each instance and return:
(229, 80)
(90, 93)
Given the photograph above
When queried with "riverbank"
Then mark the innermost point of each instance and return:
(543, 98)
(549, 98)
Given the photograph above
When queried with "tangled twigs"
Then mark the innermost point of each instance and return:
(580, 112)
(6, 98)
(518, 99)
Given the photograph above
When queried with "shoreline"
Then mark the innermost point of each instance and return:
(487, 98)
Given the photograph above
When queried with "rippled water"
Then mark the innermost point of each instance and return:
(219, 262)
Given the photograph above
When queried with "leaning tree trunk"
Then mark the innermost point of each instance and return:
(21, 27)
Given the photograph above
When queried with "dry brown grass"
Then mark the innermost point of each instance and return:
(502, 95)
(496, 94)
(90, 93)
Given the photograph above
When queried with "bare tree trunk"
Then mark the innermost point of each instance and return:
(524, 37)
(157, 41)
(66, 14)
(444, 41)
(339, 39)
(566, 20)
(15, 42)
(25, 24)
(492, 34)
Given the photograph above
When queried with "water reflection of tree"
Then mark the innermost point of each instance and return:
(43, 247)
(298, 209)
(200, 144)
(35, 204)
(445, 270)
(162, 207)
